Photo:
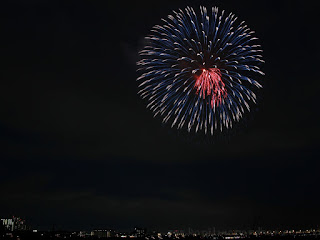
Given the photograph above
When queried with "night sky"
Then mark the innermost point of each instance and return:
(80, 150)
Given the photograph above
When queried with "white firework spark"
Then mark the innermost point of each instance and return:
(197, 71)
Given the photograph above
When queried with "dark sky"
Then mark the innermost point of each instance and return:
(79, 149)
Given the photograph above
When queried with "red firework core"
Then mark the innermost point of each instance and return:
(209, 83)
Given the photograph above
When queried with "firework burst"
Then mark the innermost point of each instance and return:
(198, 71)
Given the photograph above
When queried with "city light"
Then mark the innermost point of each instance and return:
(16, 228)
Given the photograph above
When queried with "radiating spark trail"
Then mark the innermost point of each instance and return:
(199, 71)
(209, 83)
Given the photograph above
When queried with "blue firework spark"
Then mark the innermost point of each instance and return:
(198, 71)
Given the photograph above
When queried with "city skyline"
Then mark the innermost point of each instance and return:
(19, 224)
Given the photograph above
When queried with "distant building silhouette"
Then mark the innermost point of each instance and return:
(139, 232)
(102, 233)
(14, 224)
